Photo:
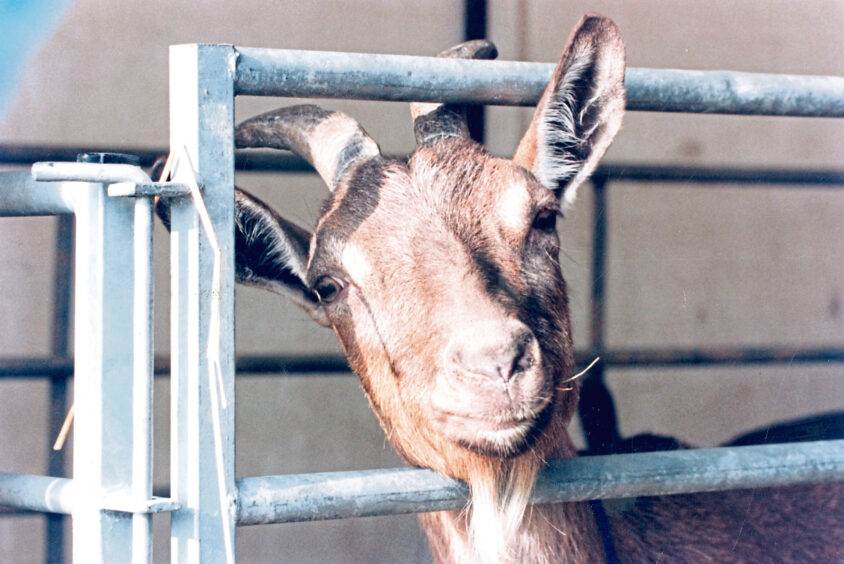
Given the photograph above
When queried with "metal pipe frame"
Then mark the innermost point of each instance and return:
(394, 78)
(113, 361)
(207, 503)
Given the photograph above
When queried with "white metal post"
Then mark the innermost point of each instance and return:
(202, 400)
(142, 380)
(112, 368)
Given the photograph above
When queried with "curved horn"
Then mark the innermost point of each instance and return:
(434, 121)
(330, 141)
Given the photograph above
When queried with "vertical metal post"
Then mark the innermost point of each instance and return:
(142, 379)
(475, 27)
(596, 408)
(202, 402)
(60, 349)
(108, 362)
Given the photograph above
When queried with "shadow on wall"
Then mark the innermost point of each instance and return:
(24, 25)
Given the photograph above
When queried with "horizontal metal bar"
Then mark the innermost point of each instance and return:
(88, 172)
(690, 176)
(20, 195)
(30, 367)
(28, 153)
(279, 161)
(717, 356)
(334, 495)
(319, 74)
(37, 493)
(730, 92)
(691, 471)
(56, 495)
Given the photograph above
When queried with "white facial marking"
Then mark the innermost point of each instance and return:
(356, 264)
(513, 206)
(331, 136)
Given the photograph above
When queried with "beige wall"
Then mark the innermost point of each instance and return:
(688, 266)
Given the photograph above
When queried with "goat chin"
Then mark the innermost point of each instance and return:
(500, 495)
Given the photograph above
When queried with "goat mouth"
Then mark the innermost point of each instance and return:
(500, 437)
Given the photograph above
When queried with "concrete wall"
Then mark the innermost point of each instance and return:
(688, 265)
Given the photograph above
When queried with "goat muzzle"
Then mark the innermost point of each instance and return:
(493, 388)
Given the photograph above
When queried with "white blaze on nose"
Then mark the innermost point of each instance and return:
(356, 264)
(513, 206)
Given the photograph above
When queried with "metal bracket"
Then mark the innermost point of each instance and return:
(124, 180)
(148, 189)
(125, 504)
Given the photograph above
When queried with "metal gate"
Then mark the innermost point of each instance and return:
(110, 496)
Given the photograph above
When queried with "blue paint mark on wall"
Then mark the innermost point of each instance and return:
(24, 26)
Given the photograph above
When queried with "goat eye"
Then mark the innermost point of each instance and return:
(545, 220)
(328, 289)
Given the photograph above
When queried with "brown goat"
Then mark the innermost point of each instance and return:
(440, 275)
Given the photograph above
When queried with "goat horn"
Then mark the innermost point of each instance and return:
(330, 141)
(434, 121)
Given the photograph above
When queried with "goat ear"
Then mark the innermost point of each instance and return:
(580, 111)
(272, 253)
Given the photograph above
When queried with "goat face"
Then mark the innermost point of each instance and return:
(440, 274)
(445, 291)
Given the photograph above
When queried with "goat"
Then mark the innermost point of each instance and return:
(440, 276)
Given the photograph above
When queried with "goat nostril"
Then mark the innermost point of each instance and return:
(495, 356)
(523, 361)
(524, 357)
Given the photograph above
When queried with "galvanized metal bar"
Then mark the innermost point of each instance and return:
(202, 402)
(600, 223)
(690, 471)
(400, 78)
(104, 359)
(60, 348)
(337, 363)
(142, 378)
(335, 495)
(28, 153)
(21, 195)
(616, 358)
(731, 92)
(475, 17)
(88, 172)
(687, 176)
(596, 407)
(37, 493)
(720, 356)
(691, 176)
(61, 495)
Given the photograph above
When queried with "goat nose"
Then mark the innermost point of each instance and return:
(494, 351)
